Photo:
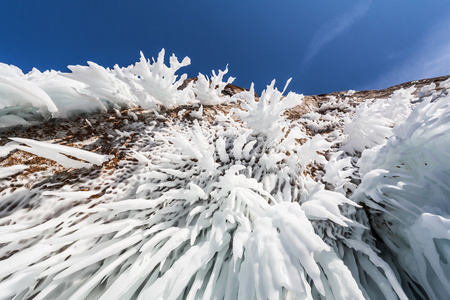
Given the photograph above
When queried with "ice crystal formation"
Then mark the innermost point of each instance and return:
(135, 183)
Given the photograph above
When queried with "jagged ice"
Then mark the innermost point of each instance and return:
(251, 206)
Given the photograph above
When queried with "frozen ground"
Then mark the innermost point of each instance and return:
(130, 183)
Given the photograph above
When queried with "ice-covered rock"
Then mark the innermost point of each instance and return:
(168, 188)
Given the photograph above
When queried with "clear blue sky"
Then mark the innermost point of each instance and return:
(324, 45)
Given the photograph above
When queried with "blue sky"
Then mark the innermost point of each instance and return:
(324, 46)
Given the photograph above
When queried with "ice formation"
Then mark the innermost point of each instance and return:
(344, 202)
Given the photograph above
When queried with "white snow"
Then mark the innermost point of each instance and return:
(58, 153)
(250, 206)
(8, 171)
(409, 177)
(208, 91)
(93, 88)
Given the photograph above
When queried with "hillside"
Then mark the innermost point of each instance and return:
(134, 183)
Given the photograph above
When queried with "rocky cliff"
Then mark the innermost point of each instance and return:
(227, 195)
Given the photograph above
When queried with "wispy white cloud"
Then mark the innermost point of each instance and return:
(332, 29)
(431, 59)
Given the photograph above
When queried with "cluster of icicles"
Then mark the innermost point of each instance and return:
(247, 207)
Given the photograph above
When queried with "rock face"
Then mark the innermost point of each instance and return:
(258, 197)
(101, 133)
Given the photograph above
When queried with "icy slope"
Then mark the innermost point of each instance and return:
(152, 193)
